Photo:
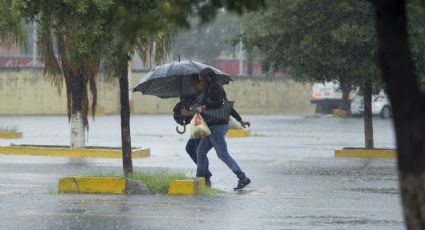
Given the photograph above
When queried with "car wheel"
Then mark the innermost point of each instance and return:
(386, 112)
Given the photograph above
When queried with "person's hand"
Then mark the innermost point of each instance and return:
(245, 124)
(200, 109)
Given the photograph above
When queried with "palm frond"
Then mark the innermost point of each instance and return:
(51, 68)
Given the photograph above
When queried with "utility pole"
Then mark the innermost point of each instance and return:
(240, 58)
(34, 45)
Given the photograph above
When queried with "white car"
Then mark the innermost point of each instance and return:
(327, 97)
(380, 105)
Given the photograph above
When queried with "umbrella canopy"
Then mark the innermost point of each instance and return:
(174, 79)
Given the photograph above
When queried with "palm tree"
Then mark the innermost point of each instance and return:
(78, 68)
(76, 30)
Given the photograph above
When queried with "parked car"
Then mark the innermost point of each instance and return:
(380, 105)
(327, 97)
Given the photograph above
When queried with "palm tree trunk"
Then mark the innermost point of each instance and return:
(125, 121)
(76, 120)
(398, 73)
(367, 115)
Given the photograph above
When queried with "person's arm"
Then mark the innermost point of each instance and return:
(186, 113)
(235, 114)
(238, 117)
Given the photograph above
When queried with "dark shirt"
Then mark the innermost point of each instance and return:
(213, 99)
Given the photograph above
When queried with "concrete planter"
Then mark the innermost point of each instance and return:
(187, 187)
(66, 151)
(11, 135)
(366, 153)
(101, 185)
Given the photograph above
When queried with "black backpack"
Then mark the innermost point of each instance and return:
(181, 120)
(185, 103)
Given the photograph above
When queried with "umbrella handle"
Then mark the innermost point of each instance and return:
(181, 132)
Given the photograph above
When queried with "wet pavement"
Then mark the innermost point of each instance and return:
(297, 183)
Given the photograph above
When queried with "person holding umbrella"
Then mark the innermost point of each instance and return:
(185, 109)
(213, 98)
(174, 80)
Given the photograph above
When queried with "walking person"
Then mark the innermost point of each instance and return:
(187, 111)
(213, 99)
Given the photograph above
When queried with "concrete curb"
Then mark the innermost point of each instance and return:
(187, 187)
(68, 152)
(11, 135)
(366, 153)
(101, 185)
(238, 133)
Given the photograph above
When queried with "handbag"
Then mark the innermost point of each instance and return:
(199, 127)
(219, 114)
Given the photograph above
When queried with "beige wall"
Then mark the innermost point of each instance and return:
(27, 92)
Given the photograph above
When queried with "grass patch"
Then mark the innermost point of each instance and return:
(158, 182)
(11, 129)
(210, 191)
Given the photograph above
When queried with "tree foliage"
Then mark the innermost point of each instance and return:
(324, 40)
(77, 31)
(318, 40)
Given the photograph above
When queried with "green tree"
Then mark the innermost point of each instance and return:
(319, 41)
(76, 30)
(138, 26)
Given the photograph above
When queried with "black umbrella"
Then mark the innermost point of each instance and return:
(174, 79)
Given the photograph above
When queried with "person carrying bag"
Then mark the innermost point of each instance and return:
(216, 110)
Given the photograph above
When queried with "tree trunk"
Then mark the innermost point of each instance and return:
(407, 102)
(125, 121)
(76, 121)
(367, 114)
(345, 105)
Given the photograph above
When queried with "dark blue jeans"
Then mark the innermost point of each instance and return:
(216, 140)
(191, 146)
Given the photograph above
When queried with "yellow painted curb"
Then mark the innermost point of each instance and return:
(339, 113)
(68, 152)
(371, 153)
(11, 135)
(187, 187)
(238, 133)
(81, 184)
